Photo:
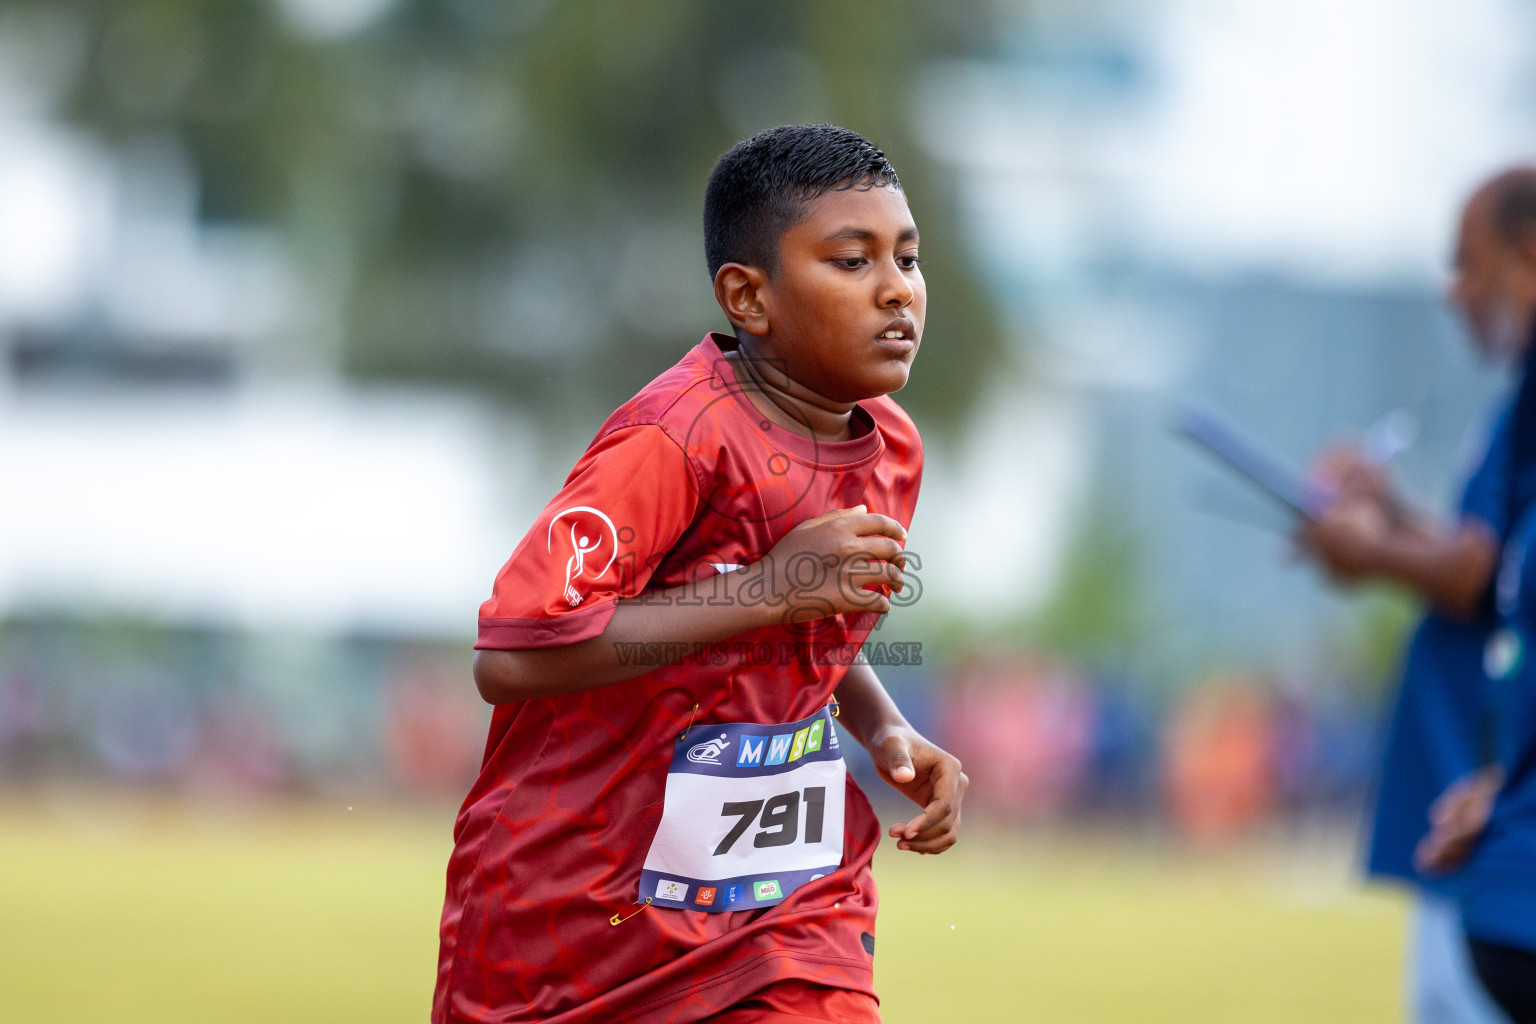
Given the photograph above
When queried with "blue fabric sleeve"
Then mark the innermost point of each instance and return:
(1436, 722)
(1485, 494)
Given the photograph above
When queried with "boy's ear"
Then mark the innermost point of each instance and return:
(742, 291)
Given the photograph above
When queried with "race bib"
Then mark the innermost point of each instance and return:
(751, 813)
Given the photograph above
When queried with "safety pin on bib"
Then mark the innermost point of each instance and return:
(621, 917)
(684, 733)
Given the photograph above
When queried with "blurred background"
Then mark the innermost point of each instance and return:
(307, 307)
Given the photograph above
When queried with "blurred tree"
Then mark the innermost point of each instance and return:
(505, 193)
(1098, 612)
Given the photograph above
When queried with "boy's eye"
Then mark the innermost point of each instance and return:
(850, 262)
(908, 262)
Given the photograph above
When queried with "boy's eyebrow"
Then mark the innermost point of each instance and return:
(854, 234)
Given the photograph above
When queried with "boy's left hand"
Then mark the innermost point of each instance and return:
(931, 778)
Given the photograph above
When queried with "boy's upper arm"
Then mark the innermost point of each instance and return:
(627, 502)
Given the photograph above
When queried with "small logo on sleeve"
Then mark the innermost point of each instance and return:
(709, 751)
(585, 532)
(668, 889)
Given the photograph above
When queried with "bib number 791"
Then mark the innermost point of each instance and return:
(780, 819)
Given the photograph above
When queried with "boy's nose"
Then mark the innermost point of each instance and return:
(896, 291)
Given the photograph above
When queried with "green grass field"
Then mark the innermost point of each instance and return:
(115, 909)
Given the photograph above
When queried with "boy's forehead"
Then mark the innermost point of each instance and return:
(881, 210)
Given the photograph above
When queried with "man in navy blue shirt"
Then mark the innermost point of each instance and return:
(1498, 882)
(1437, 784)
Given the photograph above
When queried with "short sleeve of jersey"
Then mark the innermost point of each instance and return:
(627, 502)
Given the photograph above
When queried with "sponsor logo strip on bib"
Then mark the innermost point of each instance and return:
(752, 812)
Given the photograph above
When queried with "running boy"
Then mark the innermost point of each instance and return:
(662, 829)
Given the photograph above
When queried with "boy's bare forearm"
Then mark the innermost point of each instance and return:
(851, 550)
(925, 773)
(865, 709)
(692, 615)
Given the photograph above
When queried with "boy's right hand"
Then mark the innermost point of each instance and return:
(846, 560)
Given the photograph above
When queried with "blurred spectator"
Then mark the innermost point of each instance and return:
(21, 716)
(145, 730)
(241, 748)
(1218, 768)
(1120, 761)
(1024, 730)
(434, 731)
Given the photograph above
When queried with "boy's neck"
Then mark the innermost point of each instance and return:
(785, 400)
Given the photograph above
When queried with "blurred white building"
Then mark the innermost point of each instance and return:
(175, 444)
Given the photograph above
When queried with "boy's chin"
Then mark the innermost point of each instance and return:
(873, 385)
(892, 377)
(858, 382)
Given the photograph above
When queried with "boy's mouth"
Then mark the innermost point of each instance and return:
(899, 336)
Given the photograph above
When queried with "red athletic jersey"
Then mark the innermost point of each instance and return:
(685, 480)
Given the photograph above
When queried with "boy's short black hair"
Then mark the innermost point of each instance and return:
(761, 187)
